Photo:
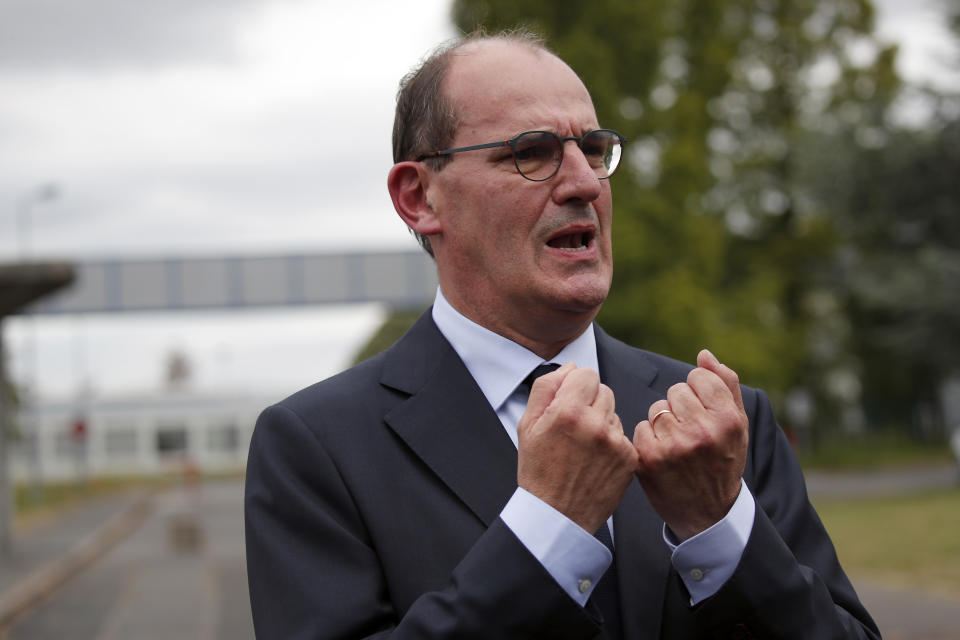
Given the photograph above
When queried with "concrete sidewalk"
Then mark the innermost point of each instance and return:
(45, 557)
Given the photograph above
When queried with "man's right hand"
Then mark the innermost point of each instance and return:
(573, 453)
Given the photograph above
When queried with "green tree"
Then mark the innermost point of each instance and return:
(893, 196)
(896, 209)
(391, 330)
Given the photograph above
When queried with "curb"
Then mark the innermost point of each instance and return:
(39, 584)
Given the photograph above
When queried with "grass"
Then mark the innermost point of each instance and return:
(911, 540)
(32, 508)
(61, 494)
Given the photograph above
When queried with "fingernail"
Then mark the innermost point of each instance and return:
(713, 358)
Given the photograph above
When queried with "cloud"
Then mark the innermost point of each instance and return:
(286, 148)
(72, 34)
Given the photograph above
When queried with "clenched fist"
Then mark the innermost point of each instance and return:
(692, 457)
(573, 454)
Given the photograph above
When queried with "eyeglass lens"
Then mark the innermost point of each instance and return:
(538, 154)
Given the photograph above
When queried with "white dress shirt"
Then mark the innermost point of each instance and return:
(572, 556)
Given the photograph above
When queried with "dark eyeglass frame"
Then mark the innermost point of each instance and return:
(512, 143)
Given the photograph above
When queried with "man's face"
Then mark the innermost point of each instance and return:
(514, 255)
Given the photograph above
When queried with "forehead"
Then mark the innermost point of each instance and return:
(513, 87)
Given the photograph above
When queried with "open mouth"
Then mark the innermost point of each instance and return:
(577, 241)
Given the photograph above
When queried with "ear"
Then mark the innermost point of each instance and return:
(407, 182)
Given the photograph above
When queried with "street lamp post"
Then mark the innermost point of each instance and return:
(42, 193)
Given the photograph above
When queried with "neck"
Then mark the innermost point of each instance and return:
(545, 333)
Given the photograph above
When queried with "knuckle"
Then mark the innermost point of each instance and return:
(677, 390)
(613, 421)
(732, 419)
(568, 414)
(676, 387)
(584, 376)
(600, 436)
(702, 445)
(598, 439)
(733, 375)
(606, 394)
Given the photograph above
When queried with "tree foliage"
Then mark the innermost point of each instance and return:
(895, 203)
(897, 211)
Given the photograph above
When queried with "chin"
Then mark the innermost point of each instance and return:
(584, 299)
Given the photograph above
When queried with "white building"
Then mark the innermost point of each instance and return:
(134, 435)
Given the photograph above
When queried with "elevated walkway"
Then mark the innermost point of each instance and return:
(403, 279)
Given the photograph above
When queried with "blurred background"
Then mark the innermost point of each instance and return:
(197, 188)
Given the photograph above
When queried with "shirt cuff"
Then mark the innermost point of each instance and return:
(707, 560)
(575, 559)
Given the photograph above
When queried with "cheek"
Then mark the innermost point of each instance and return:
(513, 220)
(497, 216)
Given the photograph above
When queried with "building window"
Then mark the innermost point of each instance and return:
(120, 442)
(171, 440)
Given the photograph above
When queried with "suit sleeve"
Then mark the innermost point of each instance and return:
(789, 583)
(314, 572)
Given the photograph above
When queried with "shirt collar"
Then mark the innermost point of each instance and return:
(496, 363)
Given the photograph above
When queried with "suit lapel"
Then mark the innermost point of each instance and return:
(448, 422)
(643, 559)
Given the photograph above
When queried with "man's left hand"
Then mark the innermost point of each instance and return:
(692, 458)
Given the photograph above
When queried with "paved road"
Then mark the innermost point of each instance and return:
(909, 614)
(180, 574)
(883, 482)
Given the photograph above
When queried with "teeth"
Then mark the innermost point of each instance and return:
(573, 242)
(578, 243)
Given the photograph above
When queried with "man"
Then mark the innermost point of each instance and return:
(431, 493)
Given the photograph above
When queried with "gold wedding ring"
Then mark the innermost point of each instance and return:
(657, 415)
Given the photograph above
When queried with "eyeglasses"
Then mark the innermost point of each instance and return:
(538, 154)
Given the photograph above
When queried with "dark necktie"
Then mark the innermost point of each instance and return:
(539, 370)
(606, 593)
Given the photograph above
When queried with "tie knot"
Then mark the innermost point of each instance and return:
(540, 370)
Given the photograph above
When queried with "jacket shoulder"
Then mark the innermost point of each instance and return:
(367, 391)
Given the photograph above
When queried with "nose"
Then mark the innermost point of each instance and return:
(576, 180)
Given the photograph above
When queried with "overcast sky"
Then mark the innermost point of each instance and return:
(203, 125)
(219, 126)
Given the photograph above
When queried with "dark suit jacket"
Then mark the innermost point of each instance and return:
(373, 501)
